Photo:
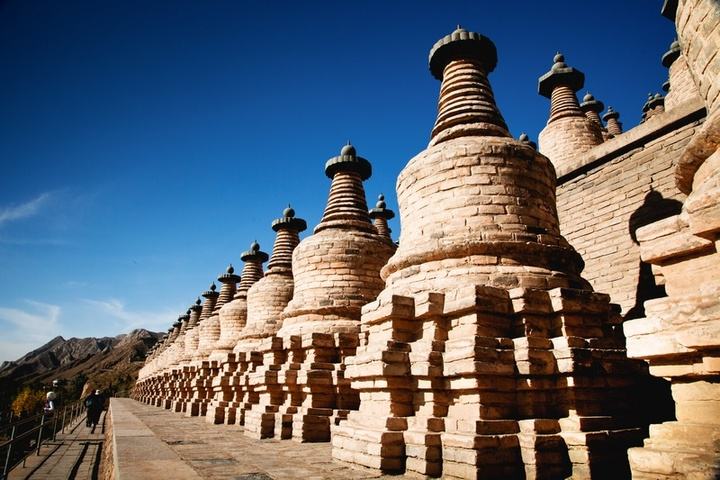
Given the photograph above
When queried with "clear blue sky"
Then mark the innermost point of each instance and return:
(145, 144)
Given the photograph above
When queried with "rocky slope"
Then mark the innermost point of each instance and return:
(107, 362)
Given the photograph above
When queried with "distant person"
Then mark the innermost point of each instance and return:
(92, 405)
(49, 407)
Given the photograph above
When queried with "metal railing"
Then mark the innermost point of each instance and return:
(28, 435)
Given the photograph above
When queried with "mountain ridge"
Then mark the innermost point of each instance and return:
(103, 362)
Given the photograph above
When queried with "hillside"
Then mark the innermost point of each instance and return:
(107, 362)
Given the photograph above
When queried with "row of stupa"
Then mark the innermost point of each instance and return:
(473, 348)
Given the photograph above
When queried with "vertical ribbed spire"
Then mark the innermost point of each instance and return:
(184, 320)
(568, 132)
(380, 215)
(592, 108)
(229, 285)
(210, 299)
(560, 85)
(167, 339)
(195, 310)
(462, 60)
(614, 127)
(175, 331)
(346, 207)
(288, 229)
(252, 270)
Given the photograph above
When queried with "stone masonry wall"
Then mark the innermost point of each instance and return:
(606, 197)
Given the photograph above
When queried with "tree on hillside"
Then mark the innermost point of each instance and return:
(28, 402)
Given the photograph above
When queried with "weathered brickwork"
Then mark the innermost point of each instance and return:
(601, 207)
(698, 23)
(679, 336)
(680, 81)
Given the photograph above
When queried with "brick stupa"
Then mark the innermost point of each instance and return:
(229, 323)
(184, 362)
(336, 272)
(233, 317)
(199, 367)
(259, 346)
(486, 355)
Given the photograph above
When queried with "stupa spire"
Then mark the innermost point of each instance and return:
(568, 132)
(654, 105)
(271, 294)
(184, 320)
(560, 85)
(592, 108)
(346, 206)
(463, 60)
(287, 237)
(229, 283)
(252, 270)
(611, 117)
(380, 215)
(211, 297)
(524, 138)
(195, 310)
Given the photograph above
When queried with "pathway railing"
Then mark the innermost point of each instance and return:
(28, 435)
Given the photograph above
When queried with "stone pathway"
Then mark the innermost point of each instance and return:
(74, 456)
(224, 452)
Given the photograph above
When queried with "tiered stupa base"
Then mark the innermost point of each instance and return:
(265, 393)
(483, 382)
(184, 389)
(679, 337)
(315, 394)
(201, 376)
(230, 390)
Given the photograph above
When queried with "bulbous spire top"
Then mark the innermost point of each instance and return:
(560, 74)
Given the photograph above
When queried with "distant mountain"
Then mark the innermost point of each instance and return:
(107, 362)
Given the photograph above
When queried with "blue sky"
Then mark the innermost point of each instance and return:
(145, 144)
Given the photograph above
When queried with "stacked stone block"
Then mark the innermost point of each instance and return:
(680, 335)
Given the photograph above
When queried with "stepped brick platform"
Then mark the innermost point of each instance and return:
(150, 442)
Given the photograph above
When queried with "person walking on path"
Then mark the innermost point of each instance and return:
(94, 404)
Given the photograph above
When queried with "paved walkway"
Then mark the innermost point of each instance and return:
(74, 455)
(213, 451)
